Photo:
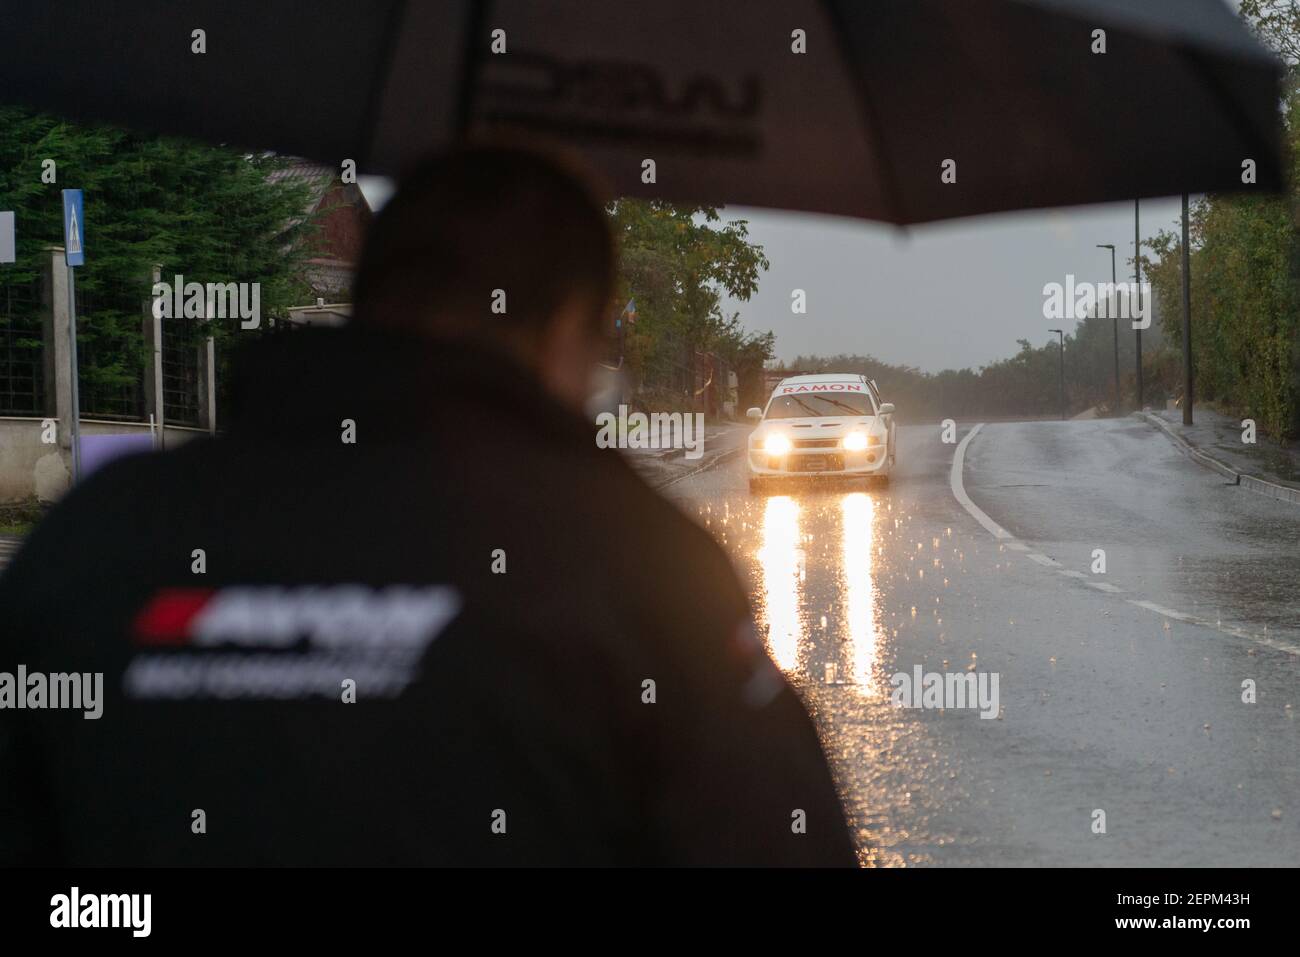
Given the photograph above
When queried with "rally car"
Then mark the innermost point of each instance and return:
(829, 425)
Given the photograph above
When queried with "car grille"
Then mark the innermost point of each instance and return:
(816, 443)
(815, 463)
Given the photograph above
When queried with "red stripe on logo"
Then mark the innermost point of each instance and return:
(165, 620)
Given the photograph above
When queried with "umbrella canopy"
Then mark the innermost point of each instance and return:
(899, 110)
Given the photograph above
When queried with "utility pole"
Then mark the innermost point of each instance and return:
(1114, 316)
(74, 255)
(75, 392)
(1137, 291)
(1187, 320)
(1061, 333)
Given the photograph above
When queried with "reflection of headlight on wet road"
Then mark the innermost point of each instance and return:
(781, 559)
(861, 600)
(855, 441)
(776, 444)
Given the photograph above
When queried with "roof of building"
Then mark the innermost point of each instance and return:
(318, 178)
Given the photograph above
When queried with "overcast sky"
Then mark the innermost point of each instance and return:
(942, 296)
(946, 295)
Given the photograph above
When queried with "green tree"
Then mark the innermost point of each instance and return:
(678, 262)
(206, 212)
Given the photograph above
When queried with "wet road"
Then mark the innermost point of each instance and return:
(1120, 692)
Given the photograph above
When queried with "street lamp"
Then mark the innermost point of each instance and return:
(1114, 316)
(1187, 320)
(1061, 333)
(1137, 292)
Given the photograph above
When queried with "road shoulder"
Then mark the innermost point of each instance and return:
(664, 467)
(1210, 444)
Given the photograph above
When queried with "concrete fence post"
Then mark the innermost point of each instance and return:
(54, 334)
(208, 384)
(153, 344)
(53, 473)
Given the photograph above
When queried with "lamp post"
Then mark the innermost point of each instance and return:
(1137, 291)
(1187, 320)
(1061, 333)
(1114, 317)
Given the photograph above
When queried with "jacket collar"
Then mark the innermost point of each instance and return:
(403, 384)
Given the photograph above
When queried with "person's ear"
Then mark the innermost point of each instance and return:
(568, 351)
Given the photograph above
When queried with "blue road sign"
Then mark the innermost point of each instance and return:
(74, 228)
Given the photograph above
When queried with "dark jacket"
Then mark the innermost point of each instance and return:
(499, 718)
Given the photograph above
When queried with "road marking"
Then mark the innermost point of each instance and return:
(1160, 610)
(1009, 541)
(1106, 587)
(1264, 640)
(959, 490)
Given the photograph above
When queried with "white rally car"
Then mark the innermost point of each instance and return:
(832, 424)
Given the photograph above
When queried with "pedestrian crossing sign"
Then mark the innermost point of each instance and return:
(74, 224)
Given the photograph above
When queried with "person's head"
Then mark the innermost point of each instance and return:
(498, 245)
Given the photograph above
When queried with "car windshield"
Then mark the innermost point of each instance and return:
(806, 404)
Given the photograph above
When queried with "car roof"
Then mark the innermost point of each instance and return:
(825, 377)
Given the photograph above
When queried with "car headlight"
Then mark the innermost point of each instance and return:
(776, 444)
(855, 441)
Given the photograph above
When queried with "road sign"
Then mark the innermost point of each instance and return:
(74, 254)
(74, 228)
(6, 237)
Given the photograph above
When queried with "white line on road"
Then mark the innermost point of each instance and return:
(1264, 640)
(1105, 586)
(1009, 541)
(1161, 610)
(959, 490)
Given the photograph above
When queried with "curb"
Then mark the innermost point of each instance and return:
(1280, 493)
(1190, 450)
(669, 453)
(716, 460)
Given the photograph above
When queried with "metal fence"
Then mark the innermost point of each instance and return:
(180, 372)
(111, 356)
(677, 376)
(22, 354)
(111, 363)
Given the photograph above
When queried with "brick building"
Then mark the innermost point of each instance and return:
(342, 216)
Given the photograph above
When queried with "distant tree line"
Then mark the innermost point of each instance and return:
(1024, 385)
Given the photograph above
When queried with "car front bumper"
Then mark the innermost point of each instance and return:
(805, 462)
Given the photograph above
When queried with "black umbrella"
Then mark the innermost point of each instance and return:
(1013, 98)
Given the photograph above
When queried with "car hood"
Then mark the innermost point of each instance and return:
(819, 427)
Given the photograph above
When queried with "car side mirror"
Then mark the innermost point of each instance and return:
(887, 408)
(755, 413)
